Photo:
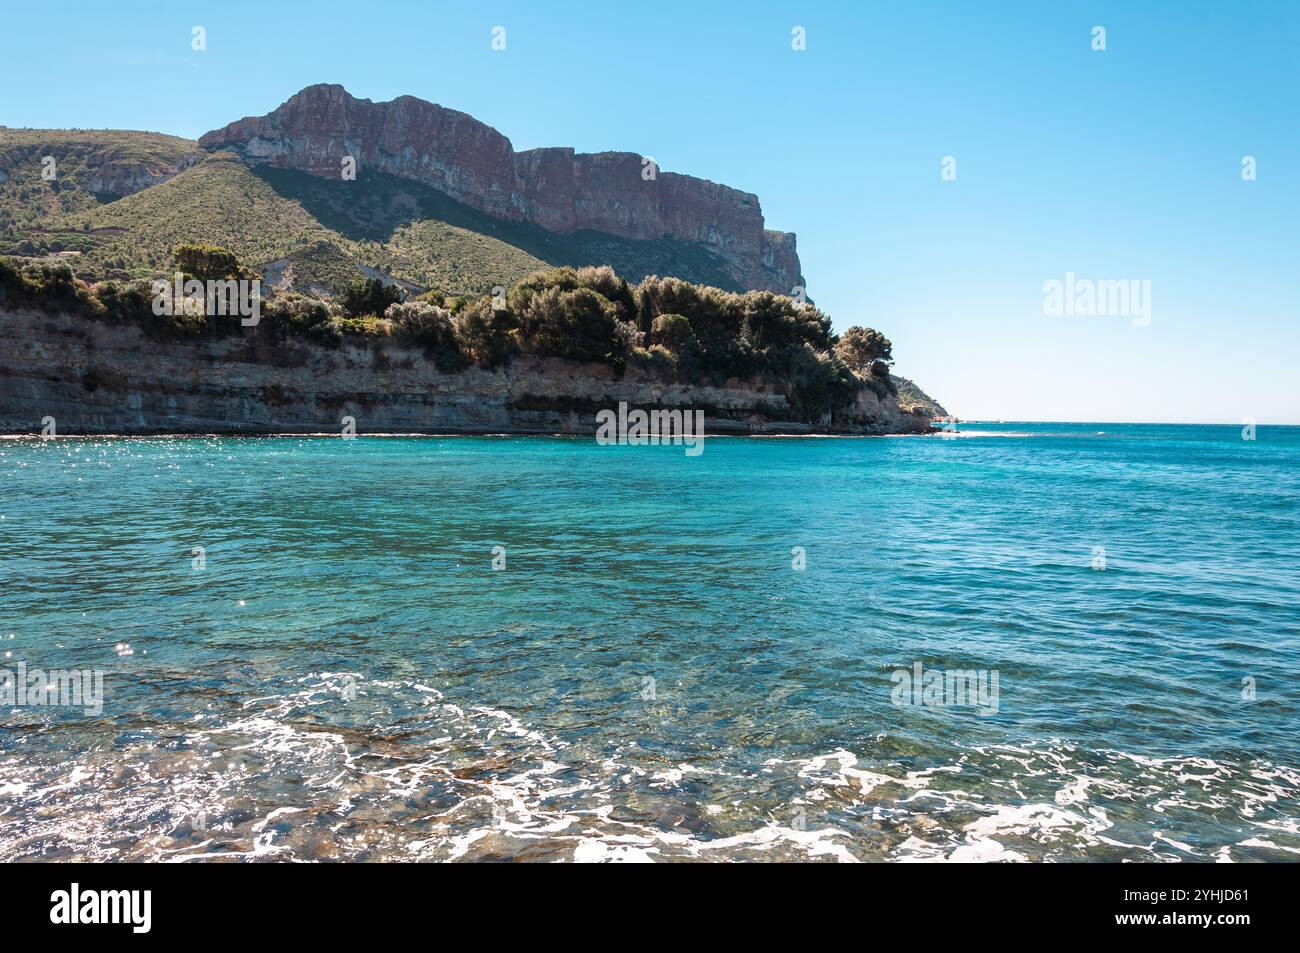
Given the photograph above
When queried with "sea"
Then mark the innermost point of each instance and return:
(1012, 642)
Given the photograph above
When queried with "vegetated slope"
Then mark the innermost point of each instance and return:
(219, 201)
(910, 396)
(316, 234)
(89, 167)
(415, 232)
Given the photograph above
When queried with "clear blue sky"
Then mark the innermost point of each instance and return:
(1112, 165)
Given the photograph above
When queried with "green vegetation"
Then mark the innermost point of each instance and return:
(911, 397)
(371, 296)
(33, 208)
(343, 259)
(861, 347)
(301, 232)
(414, 232)
(662, 326)
(217, 202)
(207, 262)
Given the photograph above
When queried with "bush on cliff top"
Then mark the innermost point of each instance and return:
(207, 262)
(431, 327)
(371, 296)
(695, 333)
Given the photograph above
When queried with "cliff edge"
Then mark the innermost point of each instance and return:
(557, 189)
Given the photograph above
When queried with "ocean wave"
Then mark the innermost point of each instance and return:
(273, 781)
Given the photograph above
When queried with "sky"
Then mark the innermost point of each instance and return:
(1116, 164)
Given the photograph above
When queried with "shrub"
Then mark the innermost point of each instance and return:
(132, 302)
(432, 296)
(11, 279)
(627, 337)
(673, 332)
(716, 318)
(656, 358)
(294, 314)
(579, 325)
(371, 296)
(429, 326)
(602, 280)
(818, 381)
(56, 284)
(207, 262)
(368, 325)
(612, 288)
(880, 382)
(484, 335)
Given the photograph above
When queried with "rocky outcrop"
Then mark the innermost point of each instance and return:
(118, 178)
(918, 401)
(108, 163)
(96, 377)
(619, 193)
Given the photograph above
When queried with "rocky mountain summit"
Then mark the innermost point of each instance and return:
(557, 189)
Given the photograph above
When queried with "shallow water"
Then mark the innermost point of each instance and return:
(347, 677)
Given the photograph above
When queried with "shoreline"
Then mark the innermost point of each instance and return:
(100, 378)
(409, 435)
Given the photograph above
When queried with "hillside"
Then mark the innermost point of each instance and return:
(400, 228)
(327, 133)
(441, 202)
(912, 397)
(90, 167)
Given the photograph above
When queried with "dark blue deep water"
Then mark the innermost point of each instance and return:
(649, 676)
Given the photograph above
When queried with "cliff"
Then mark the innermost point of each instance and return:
(913, 398)
(98, 377)
(86, 168)
(554, 188)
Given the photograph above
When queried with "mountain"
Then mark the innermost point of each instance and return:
(439, 199)
(46, 174)
(619, 194)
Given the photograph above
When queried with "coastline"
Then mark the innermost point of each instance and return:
(433, 435)
(96, 377)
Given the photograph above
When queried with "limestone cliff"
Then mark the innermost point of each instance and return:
(96, 377)
(117, 178)
(554, 188)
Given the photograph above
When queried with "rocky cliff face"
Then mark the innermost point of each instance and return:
(94, 377)
(556, 189)
(118, 178)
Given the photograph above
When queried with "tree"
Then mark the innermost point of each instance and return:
(429, 326)
(371, 296)
(674, 332)
(580, 325)
(11, 278)
(483, 334)
(207, 262)
(859, 347)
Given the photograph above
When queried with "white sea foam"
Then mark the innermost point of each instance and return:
(275, 782)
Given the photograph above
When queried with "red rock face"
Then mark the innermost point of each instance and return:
(556, 189)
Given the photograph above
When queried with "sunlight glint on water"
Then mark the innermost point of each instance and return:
(648, 677)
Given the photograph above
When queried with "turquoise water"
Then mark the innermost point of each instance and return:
(649, 677)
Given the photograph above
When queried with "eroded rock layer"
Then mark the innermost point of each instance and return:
(555, 188)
